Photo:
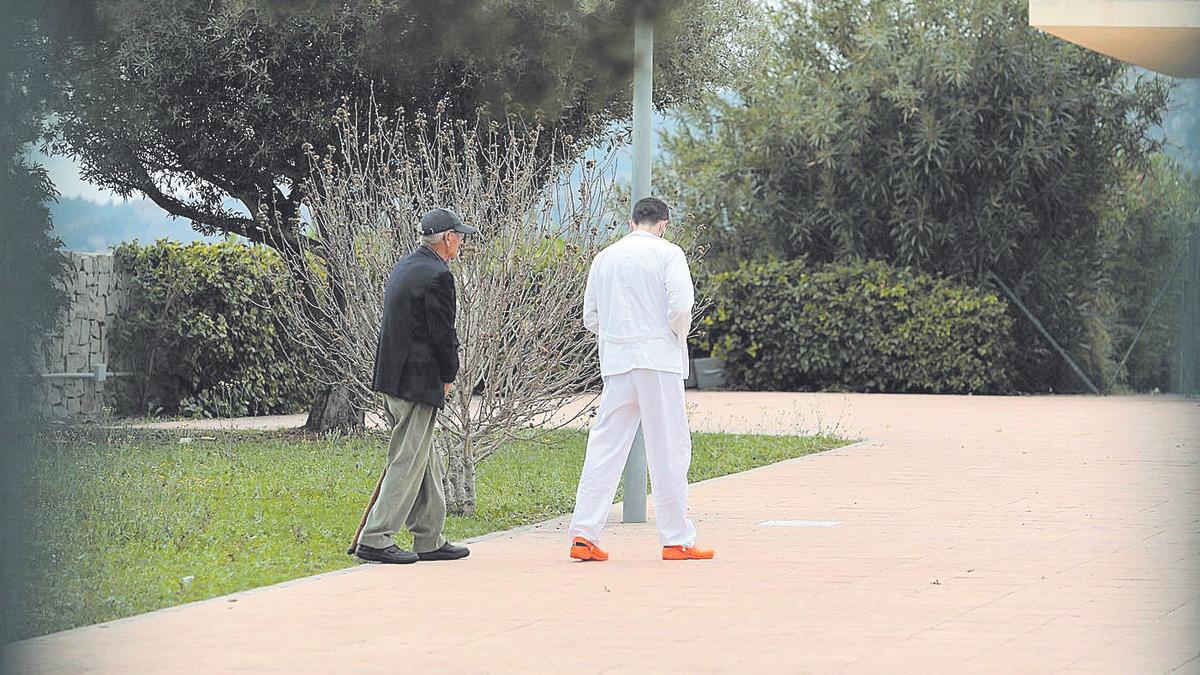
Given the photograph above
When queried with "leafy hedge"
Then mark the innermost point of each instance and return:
(198, 333)
(858, 327)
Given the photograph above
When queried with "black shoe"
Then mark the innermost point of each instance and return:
(448, 551)
(392, 555)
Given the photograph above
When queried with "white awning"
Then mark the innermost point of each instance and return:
(1161, 35)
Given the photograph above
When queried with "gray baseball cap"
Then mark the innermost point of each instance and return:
(441, 219)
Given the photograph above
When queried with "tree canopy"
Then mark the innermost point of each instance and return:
(29, 258)
(190, 101)
(29, 298)
(193, 102)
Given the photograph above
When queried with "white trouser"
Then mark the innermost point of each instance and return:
(655, 399)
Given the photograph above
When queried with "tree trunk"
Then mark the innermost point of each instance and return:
(332, 408)
(458, 482)
(332, 411)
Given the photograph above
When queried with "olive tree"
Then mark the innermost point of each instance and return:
(194, 103)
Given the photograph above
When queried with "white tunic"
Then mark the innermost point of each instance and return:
(639, 304)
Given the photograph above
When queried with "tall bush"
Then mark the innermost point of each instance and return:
(946, 136)
(859, 327)
(198, 334)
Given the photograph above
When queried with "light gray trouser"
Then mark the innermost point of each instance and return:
(411, 492)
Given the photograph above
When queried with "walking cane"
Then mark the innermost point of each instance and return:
(363, 522)
(371, 504)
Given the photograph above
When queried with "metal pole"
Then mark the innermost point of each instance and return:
(633, 507)
(643, 141)
(1038, 325)
(99, 373)
(1189, 362)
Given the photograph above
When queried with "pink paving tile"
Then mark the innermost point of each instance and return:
(1062, 532)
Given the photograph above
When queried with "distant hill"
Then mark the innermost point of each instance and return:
(85, 225)
(1181, 125)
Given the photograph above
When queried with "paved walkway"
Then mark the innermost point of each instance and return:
(964, 535)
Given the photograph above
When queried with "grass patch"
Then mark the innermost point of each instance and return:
(128, 523)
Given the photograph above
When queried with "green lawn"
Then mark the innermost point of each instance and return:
(131, 522)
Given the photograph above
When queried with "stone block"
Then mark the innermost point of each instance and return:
(76, 362)
(87, 404)
(710, 373)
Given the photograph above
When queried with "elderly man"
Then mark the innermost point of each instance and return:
(638, 302)
(415, 363)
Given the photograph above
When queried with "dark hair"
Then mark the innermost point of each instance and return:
(650, 210)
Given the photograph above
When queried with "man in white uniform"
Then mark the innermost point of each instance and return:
(638, 302)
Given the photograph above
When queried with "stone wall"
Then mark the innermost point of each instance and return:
(96, 291)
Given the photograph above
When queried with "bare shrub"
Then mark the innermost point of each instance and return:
(543, 218)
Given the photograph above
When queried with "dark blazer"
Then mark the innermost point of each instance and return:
(418, 346)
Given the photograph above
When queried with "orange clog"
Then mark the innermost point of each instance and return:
(687, 553)
(582, 549)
